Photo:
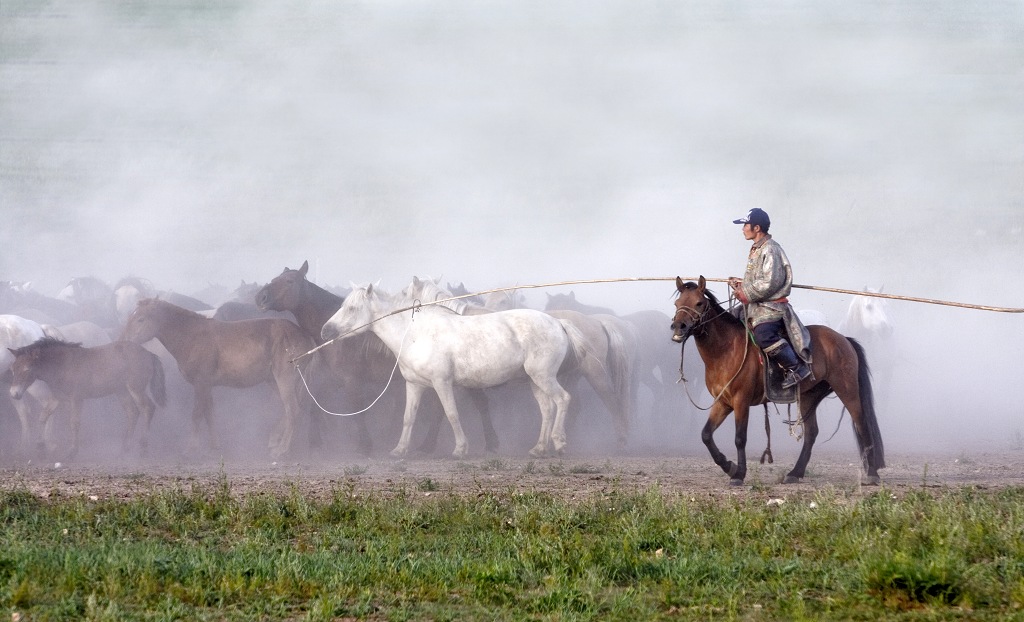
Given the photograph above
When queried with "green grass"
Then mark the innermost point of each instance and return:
(207, 554)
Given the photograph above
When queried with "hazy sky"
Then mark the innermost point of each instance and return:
(498, 143)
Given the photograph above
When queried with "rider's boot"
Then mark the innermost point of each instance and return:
(782, 353)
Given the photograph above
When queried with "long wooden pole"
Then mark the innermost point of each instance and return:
(852, 292)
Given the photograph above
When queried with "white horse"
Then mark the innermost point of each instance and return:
(17, 332)
(867, 320)
(439, 349)
(86, 333)
(607, 364)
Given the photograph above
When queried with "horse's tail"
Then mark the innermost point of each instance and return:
(157, 382)
(577, 344)
(867, 405)
(620, 370)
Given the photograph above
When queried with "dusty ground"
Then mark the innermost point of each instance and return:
(571, 478)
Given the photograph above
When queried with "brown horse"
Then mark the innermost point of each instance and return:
(238, 354)
(75, 373)
(345, 374)
(735, 376)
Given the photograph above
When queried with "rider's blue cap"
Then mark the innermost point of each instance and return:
(756, 216)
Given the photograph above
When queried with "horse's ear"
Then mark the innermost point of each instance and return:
(369, 289)
(679, 284)
(305, 268)
(12, 351)
(702, 284)
(416, 281)
(572, 296)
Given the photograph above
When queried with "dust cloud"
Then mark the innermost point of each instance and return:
(503, 143)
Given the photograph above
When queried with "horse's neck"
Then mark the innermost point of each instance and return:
(317, 306)
(392, 329)
(720, 338)
(179, 329)
(56, 359)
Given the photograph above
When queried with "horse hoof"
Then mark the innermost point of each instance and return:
(735, 482)
(398, 453)
(870, 480)
(791, 479)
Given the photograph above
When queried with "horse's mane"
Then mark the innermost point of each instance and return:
(431, 291)
(45, 343)
(170, 306)
(717, 310)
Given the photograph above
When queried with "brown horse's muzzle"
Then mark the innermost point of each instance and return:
(680, 331)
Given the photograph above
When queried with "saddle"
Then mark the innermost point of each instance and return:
(774, 374)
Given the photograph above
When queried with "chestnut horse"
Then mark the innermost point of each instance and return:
(735, 376)
(212, 353)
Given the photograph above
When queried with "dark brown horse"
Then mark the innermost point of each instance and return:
(345, 375)
(75, 374)
(240, 354)
(735, 376)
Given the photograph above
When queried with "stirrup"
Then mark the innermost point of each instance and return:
(795, 376)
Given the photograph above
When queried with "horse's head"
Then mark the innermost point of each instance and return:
(128, 292)
(561, 302)
(285, 292)
(25, 367)
(691, 308)
(424, 290)
(145, 321)
(868, 317)
(356, 314)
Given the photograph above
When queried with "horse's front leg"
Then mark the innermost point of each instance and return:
(76, 425)
(202, 411)
(446, 393)
(719, 411)
(24, 410)
(413, 395)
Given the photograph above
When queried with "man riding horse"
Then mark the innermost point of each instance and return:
(764, 291)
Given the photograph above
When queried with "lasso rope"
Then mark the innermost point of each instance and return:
(638, 279)
(382, 392)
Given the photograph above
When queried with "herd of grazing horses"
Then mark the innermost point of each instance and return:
(351, 355)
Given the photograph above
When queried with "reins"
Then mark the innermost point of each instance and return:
(701, 321)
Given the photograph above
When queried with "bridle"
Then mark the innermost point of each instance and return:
(698, 328)
(699, 321)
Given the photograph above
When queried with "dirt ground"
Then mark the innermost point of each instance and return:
(578, 477)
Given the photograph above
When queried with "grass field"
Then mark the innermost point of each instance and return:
(206, 553)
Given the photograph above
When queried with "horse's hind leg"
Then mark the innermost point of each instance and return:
(483, 406)
(809, 420)
(143, 405)
(131, 410)
(202, 412)
(547, 417)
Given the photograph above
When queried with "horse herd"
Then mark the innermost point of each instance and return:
(338, 353)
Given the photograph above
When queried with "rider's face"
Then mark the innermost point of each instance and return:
(749, 233)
